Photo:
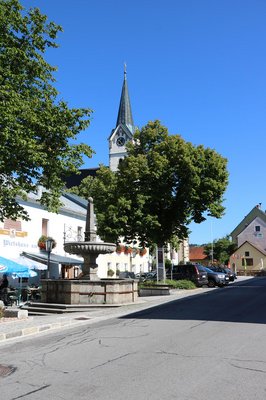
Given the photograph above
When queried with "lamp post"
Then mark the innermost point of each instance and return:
(48, 245)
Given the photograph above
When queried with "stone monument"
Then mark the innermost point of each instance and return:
(88, 288)
(90, 249)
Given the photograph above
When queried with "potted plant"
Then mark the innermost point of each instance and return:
(128, 250)
(42, 242)
(142, 251)
(110, 272)
(120, 248)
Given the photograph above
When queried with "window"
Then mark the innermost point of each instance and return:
(45, 226)
(246, 253)
(257, 228)
(248, 262)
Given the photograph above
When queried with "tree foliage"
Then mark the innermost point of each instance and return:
(222, 249)
(162, 185)
(36, 128)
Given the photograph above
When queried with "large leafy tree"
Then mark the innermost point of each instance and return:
(36, 128)
(221, 249)
(160, 187)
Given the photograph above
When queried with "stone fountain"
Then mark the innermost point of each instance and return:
(90, 249)
(88, 288)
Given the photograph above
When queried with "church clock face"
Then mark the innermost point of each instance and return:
(120, 141)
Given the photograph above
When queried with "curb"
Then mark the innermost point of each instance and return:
(31, 330)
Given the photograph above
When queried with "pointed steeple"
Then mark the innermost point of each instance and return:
(124, 113)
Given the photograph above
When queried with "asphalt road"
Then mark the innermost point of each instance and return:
(211, 346)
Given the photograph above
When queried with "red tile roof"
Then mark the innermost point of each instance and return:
(197, 253)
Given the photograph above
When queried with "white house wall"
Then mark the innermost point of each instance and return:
(122, 262)
(249, 234)
(13, 243)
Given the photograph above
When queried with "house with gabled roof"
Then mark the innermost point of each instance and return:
(197, 255)
(250, 237)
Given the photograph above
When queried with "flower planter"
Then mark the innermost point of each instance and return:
(154, 291)
(120, 249)
(42, 242)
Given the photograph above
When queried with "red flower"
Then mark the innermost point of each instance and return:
(142, 251)
(120, 248)
(128, 250)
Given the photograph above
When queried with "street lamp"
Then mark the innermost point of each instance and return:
(48, 246)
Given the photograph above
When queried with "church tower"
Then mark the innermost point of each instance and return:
(124, 130)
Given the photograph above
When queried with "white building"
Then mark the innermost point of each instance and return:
(20, 238)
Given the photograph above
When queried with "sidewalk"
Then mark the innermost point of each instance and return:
(18, 328)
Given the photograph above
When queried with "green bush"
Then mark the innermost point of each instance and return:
(147, 284)
(168, 263)
(182, 284)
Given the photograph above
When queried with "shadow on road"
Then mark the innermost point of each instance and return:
(242, 303)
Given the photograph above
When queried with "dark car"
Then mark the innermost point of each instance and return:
(216, 278)
(192, 272)
(126, 275)
(151, 276)
(232, 276)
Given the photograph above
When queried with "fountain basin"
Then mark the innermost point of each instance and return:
(86, 292)
(89, 250)
(85, 248)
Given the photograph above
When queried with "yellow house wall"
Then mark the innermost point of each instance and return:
(259, 259)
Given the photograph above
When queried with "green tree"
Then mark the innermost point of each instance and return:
(222, 249)
(160, 187)
(36, 128)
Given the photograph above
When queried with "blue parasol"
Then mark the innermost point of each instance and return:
(11, 267)
(24, 274)
(16, 270)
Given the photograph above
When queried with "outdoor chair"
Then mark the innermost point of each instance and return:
(13, 297)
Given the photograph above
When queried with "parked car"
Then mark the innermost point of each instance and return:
(126, 275)
(151, 276)
(142, 276)
(216, 278)
(232, 276)
(193, 272)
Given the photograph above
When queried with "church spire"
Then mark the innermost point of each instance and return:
(124, 113)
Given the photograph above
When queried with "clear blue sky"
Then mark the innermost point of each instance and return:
(197, 66)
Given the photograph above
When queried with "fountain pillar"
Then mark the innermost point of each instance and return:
(90, 268)
(90, 249)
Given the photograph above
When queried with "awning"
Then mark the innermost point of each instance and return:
(32, 264)
(54, 258)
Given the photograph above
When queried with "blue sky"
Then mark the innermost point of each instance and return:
(197, 66)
